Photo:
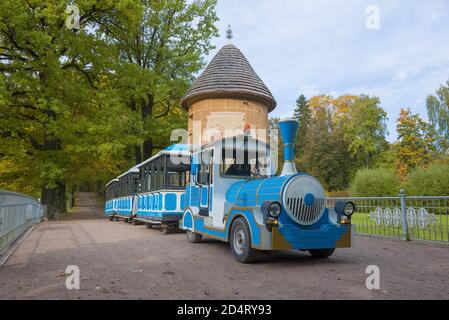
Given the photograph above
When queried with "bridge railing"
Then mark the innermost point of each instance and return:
(18, 212)
(402, 217)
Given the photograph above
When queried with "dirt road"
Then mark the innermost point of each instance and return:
(122, 261)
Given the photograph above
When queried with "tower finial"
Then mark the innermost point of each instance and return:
(229, 35)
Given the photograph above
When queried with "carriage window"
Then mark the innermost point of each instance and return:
(161, 165)
(204, 175)
(176, 179)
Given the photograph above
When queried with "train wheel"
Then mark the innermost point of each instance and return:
(194, 237)
(322, 253)
(165, 229)
(241, 242)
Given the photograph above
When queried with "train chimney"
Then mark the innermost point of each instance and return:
(289, 128)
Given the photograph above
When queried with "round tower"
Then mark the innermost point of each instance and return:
(227, 99)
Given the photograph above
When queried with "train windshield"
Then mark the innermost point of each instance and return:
(245, 163)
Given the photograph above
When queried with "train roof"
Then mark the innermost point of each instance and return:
(134, 169)
(111, 182)
(177, 149)
(253, 143)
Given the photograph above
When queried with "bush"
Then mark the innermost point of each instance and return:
(433, 181)
(375, 183)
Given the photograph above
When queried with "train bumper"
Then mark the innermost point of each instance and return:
(326, 237)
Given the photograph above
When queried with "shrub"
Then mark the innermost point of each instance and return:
(431, 181)
(375, 183)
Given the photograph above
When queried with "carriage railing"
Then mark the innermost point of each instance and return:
(18, 212)
(408, 218)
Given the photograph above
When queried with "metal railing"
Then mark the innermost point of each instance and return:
(18, 212)
(403, 217)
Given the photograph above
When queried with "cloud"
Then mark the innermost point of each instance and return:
(309, 90)
(323, 46)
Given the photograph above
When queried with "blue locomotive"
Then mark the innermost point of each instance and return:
(240, 202)
(226, 191)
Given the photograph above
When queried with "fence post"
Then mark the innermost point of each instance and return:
(402, 196)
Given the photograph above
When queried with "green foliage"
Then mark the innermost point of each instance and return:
(375, 183)
(438, 112)
(430, 181)
(365, 129)
(75, 103)
(416, 142)
(344, 134)
(303, 114)
(160, 50)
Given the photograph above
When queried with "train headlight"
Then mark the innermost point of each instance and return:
(349, 209)
(274, 209)
(345, 208)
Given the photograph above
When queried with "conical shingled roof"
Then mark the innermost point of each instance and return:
(229, 75)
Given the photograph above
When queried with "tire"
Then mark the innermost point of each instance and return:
(193, 237)
(149, 225)
(322, 253)
(111, 218)
(165, 229)
(240, 240)
(126, 220)
(135, 222)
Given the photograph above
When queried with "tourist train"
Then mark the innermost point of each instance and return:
(225, 188)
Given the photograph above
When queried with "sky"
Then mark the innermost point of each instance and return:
(397, 50)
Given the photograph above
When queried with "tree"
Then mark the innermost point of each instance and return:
(416, 142)
(303, 114)
(326, 156)
(75, 102)
(438, 112)
(344, 134)
(160, 50)
(365, 129)
(60, 118)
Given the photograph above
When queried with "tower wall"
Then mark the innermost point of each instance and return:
(212, 119)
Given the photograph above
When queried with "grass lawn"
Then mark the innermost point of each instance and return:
(438, 231)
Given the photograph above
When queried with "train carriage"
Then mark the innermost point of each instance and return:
(111, 205)
(123, 190)
(163, 180)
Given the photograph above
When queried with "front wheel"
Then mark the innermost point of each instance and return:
(193, 237)
(240, 240)
(322, 253)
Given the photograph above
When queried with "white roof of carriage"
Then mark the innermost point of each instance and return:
(253, 143)
(132, 170)
(175, 149)
(112, 181)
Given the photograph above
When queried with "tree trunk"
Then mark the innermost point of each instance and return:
(147, 148)
(138, 154)
(54, 199)
(147, 110)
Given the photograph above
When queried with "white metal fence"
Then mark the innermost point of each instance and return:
(408, 218)
(18, 212)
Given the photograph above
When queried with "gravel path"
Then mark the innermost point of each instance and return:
(121, 261)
